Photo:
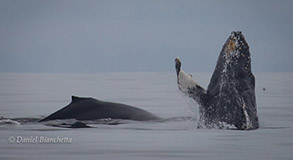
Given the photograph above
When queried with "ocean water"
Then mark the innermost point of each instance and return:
(33, 96)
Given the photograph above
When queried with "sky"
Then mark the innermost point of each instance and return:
(59, 36)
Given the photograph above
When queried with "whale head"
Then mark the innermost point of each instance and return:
(234, 61)
(232, 85)
(235, 52)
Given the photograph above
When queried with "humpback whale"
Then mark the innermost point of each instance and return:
(83, 108)
(230, 96)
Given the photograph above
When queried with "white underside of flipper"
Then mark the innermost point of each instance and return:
(185, 82)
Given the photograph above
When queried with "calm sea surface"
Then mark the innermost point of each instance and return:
(38, 95)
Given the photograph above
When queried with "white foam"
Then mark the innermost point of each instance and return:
(9, 121)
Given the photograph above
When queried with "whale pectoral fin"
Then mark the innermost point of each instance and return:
(185, 81)
(188, 86)
(199, 94)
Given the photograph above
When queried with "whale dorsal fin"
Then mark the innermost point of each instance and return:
(75, 99)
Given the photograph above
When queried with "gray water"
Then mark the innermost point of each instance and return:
(38, 95)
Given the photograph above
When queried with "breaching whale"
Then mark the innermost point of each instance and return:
(230, 96)
(82, 108)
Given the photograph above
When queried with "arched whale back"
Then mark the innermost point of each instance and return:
(82, 108)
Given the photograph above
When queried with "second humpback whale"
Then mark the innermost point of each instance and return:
(82, 108)
(230, 96)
